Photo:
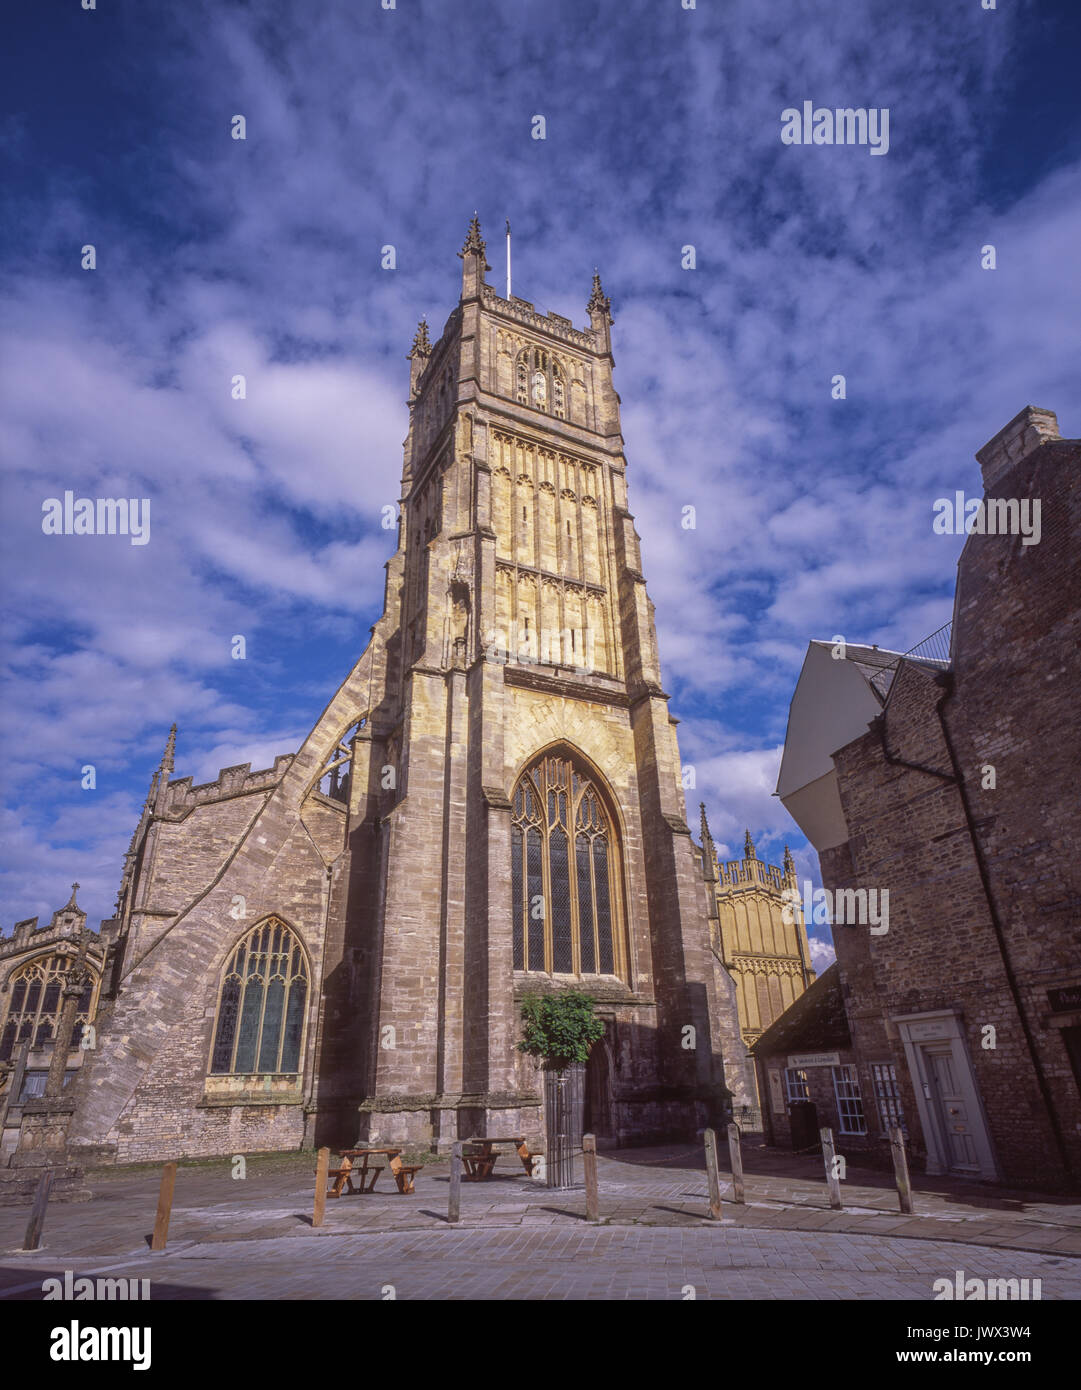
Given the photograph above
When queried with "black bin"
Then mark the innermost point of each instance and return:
(803, 1124)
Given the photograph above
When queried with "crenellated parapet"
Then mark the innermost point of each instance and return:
(181, 797)
(750, 873)
(552, 324)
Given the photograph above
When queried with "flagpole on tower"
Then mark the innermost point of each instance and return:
(508, 257)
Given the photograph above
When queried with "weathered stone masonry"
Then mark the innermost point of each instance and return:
(516, 627)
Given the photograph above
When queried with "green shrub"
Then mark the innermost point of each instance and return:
(559, 1028)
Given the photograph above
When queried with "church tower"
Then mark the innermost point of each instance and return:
(490, 806)
(760, 936)
(534, 834)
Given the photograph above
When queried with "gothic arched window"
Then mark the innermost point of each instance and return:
(564, 873)
(36, 1004)
(263, 1004)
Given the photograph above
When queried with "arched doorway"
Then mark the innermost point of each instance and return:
(598, 1097)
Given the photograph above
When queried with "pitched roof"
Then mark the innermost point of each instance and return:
(814, 1022)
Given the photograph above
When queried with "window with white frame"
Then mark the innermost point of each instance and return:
(888, 1097)
(797, 1086)
(846, 1087)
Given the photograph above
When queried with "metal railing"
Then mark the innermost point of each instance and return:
(932, 651)
(564, 1095)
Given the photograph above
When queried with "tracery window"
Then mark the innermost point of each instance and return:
(539, 381)
(337, 773)
(37, 1002)
(263, 1004)
(564, 873)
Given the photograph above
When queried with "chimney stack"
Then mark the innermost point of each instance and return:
(1025, 432)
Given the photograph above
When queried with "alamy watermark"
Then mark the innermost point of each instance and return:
(843, 907)
(975, 1290)
(75, 1343)
(571, 647)
(78, 1290)
(988, 516)
(841, 125)
(97, 516)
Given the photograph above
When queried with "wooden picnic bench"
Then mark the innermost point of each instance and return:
(479, 1161)
(403, 1172)
(365, 1173)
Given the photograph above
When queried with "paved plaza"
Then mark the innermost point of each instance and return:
(253, 1238)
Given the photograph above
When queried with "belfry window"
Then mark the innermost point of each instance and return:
(539, 381)
(262, 1004)
(37, 1002)
(564, 873)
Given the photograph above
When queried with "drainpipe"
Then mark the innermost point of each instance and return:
(879, 723)
(946, 680)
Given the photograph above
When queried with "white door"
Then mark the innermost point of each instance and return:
(952, 1117)
(951, 1108)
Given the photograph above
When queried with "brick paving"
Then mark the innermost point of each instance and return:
(518, 1239)
(538, 1263)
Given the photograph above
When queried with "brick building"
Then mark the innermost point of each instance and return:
(805, 1061)
(335, 948)
(948, 777)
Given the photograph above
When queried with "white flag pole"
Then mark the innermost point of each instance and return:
(508, 257)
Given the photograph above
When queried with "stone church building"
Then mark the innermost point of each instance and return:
(760, 936)
(335, 949)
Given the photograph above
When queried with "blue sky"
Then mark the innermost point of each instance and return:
(262, 257)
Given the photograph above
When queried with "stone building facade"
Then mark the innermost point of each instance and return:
(759, 934)
(335, 949)
(948, 777)
(33, 963)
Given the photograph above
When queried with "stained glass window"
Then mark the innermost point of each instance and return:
(564, 884)
(37, 1003)
(262, 1005)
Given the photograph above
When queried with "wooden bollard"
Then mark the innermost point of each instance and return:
(832, 1180)
(165, 1207)
(37, 1212)
(900, 1170)
(322, 1170)
(735, 1154)
(713, 1175)
(454, 1206)
(589, 1162)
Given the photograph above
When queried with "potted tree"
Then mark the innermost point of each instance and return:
(559, 1030)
